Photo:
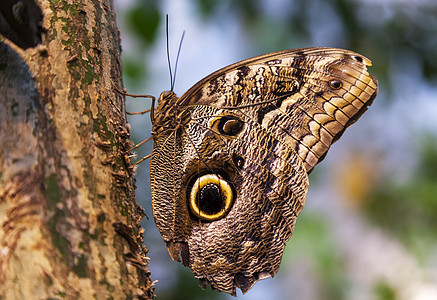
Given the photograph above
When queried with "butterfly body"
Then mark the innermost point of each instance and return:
(231, 157)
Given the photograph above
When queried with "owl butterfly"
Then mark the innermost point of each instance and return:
(231, 157)
(21, 22)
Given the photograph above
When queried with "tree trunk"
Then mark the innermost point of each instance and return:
(69, 223)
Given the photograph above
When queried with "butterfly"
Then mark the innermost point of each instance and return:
(231, 157)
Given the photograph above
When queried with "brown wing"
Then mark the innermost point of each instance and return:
(253, 131)
(268, 183)
(309, 96)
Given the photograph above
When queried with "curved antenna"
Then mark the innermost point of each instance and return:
(168, 52)
(172, 76)
(177, 59)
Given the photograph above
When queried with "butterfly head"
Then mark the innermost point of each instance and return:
(166, 114)
(166, 97)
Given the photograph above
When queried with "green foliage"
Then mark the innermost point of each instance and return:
(133, 70)
(378, 30)
(187, 288)
(428, 161)
(384, 292)
(144, 20)
(313, 241)
(247, 9)
(408, 209)
(207, 7)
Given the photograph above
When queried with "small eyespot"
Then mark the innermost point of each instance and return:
(358, 58)
(230, 125)
(238, 161)
(210, 198)
(335, 84)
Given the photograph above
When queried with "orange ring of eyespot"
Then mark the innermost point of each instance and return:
(225, 188)
(335, 84)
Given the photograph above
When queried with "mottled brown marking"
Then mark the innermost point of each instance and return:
(285, 116)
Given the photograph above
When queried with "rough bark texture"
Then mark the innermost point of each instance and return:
(69, 224)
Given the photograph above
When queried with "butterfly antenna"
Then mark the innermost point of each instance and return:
(168, 52)
(177, 59)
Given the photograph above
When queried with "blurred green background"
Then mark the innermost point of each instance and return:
(369, 226)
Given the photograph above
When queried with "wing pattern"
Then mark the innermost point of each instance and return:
(230, 163)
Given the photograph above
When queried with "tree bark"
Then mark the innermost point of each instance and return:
(69, 223)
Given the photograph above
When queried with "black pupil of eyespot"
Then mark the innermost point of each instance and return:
(358, 58)
(238, 161)
(335, 84)
(230, 125)
(210, 199)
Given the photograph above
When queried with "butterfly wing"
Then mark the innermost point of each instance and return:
(231, 156)
(309, 96)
